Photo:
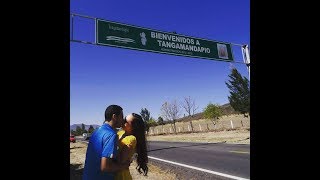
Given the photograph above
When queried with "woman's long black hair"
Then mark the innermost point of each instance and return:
(138, 130)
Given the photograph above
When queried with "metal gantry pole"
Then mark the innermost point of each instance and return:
(71, 27)
(95, 30)
(246, 57)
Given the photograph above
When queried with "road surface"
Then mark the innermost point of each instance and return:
(229, 159)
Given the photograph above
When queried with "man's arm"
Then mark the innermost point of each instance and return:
(109, 166)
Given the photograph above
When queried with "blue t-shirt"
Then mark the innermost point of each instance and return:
(103, 143)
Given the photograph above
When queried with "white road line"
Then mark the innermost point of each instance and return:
(245, 152)
(199, 169)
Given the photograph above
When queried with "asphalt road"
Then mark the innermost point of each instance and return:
(230, 159)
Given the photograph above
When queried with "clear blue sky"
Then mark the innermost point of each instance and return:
(102, 75)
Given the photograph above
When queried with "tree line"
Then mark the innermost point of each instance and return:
(80, 130)
(239, 100)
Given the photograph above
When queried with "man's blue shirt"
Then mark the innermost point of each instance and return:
(103, 143)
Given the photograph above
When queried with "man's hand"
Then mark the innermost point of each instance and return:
(108, 165)
(126, 164)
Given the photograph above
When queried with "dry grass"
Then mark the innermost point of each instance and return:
(78, 153)
(235, 136)
(154, 173)
(77, 158)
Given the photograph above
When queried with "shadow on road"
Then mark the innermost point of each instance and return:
(76, 172)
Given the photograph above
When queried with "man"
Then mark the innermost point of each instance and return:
(102, 148)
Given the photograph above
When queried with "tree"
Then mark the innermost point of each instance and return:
(73, 132)
(78, 131)
(239, 92)
(189, 105)
(212, 112)
(152, 122)
(160, 120)
(171, 112)
(91, 129)
(145, 114)
(83, 129)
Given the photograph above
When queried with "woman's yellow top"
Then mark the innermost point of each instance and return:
(131, 142)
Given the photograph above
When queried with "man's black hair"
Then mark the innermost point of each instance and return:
(112, 109)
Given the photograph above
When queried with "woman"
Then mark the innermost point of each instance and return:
(132, 140)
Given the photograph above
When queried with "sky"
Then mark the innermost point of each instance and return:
(104, 75)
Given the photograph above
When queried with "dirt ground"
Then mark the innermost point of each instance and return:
(77, 158)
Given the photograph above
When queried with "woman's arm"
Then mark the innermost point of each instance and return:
(124, 154)
(129, 144)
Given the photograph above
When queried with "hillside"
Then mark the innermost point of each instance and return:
(226, 110)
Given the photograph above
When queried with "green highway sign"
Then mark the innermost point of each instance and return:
(127, 36)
